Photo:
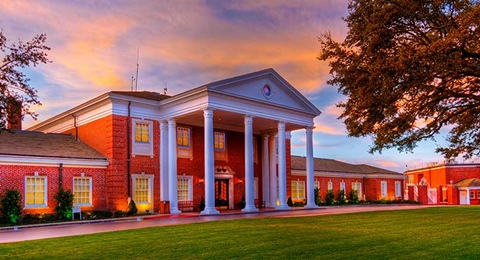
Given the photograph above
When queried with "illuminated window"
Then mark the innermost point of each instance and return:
(472, 194)
(342, 185)
(35, 192)
(183, 137)
(142, 185)
(330, 185)
(142, 134)
(219, 141)
(383, 187)
(184, 188)
(398, 189)
(317, 185)
(298, 189)
(82, 191)
(358, 187)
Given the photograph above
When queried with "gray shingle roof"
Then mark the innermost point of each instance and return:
(329, 165)
(143, 94)
(38, 144)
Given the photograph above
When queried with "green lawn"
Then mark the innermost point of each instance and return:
(428, 233)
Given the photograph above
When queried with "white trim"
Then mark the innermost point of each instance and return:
(150, 178)
(398, 189)
(140, 148)
(383, 189)
(189, 179)
(52, 161)
(90, 191)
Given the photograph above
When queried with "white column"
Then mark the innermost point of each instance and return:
(310, 169)
(163, 161)
(249, 179)
(209, 165)
(265, 172)
(282, 167)
(273, 173)
(172, 166)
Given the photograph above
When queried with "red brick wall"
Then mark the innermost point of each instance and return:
(458, 174)
(13, 177)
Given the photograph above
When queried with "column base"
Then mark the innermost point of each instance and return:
(311, 206)
(175, 211)
(249, 208)
(209, 211)
(283, 207)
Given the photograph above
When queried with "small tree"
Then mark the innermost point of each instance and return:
(353, 196)
(132, 208)
(341, 197)
(11, 208)
(330, 198)
(64, 206)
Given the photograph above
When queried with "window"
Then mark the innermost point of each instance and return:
(358, 187)
(383, 187)
(142, 137)
(184, 188)
(330, 185)
(478, 194)
(298, 189)
(398, 189)
(142, 185)
(35, 192)
(142, 132)
(342, 186)
(219, 141)
(472, 194)
(317, 185)
(183, 137)
(82, 191)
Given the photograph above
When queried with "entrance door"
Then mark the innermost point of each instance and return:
(221, 193)
(463, 197)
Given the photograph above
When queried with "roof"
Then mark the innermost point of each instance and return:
(470, 182)
(330, 165)
(38, 144)
(143, 94)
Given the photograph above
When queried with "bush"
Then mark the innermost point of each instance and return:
(330, 198)
(202, 204)
(119, 214)
(100, 214)
(64, 206)
(132, 208)
(318, 197)
(353, 196)
(290, 202)
(11, 208)
(341, 199)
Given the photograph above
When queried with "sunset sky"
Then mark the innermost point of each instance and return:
(184, 44)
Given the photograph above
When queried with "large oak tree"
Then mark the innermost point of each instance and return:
(408, 69)
(16, 96)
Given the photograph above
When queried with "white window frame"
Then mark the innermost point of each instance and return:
(358, 187)
(89, 191)
(316, 184)
(330, 185)
(142, 148)
(343, 186)
(190, 187)
(184, 151)
(150, 178)
(383, 189)
(295, 187)
(45, 192)
(398, 189)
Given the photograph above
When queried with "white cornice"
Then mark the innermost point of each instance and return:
(46, 161)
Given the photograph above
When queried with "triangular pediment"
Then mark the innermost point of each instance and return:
(265, 86)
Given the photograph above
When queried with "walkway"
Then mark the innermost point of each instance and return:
(33, 232)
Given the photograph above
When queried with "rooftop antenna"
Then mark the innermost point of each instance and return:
(136, 79)
(133, 80)
(165, 89)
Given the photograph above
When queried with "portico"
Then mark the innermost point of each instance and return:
(262, 106)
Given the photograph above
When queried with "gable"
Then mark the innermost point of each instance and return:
(265, 86)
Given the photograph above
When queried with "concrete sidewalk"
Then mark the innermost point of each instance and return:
(32, 232)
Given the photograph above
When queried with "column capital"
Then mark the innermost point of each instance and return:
(248, 119)
(281, 126)
(208, 113)
(309, 129)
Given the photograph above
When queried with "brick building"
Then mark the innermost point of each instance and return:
(447, 182)
(372, 183)
(226, 142)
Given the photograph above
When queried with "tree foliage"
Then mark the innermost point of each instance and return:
(14, 87)
(409, 69)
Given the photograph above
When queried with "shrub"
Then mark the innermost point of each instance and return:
(202, 204)
(64, 206)
(11, 208)
(132, 208)
(318, 197)
(330, 198)
(353, 196)
(341, 197)
(119, 214)
(290, 202)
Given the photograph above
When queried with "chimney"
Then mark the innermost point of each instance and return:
(14, 117)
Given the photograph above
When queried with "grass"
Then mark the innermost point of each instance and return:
(427, 233)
